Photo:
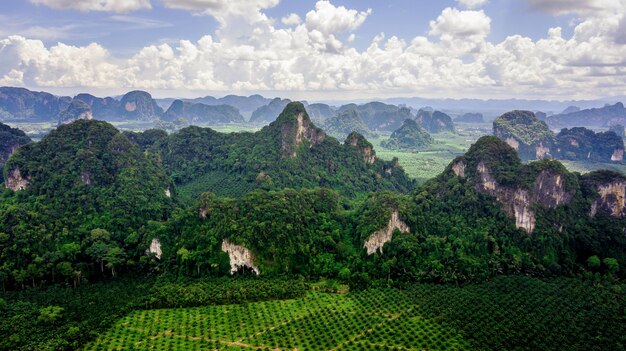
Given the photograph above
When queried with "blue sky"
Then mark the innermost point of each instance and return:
(450, 48)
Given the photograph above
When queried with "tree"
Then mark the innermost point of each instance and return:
(593, 262)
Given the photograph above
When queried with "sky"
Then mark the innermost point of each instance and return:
(316, 50)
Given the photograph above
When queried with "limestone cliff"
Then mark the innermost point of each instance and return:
(530, 137)
(377, 240)
(296, 129)
(15, 181)
(155, 248)
(548, 191)
(364, 147)
(612, 199)
(240, 257)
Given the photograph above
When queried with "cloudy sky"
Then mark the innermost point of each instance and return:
(337, 49)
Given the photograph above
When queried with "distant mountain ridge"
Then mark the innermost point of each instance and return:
(594, 117)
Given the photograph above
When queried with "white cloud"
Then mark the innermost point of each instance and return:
(453, 23)
(456, 59)
(329, 19)
(222, 10)
(578, 7)
(472, 4)
(120, 6)
(291, 20)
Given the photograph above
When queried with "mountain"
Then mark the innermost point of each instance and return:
(104, 109)
(570, 109)
(379, 116)
(23, 104)
(531, 137)
(411, 136)
(595, 117)
(289, 152)
(435, 121)
(344, 123)
(76, 110)
(320, 111)
(201, 113)
(139, 105)
(470, 118)
(10, 140)
(269, 112)
(580, 143)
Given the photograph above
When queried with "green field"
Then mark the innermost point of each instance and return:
(427, 164)
(510, 313)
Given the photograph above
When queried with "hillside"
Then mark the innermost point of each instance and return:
(594, 117)
(411, 136)
(531, 137)
(379, 116)
(434, 121)
(583, 144)
(268, 113)
(289, 152)
(320, 111)
(10, 140)
(197, 113)
(344, 123)
(23, 104)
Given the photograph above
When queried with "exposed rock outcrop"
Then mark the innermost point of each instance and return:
(364, 147)
(240, 257)
(155, 248)
(548, 191)
(15, 181)
(377, 240)
(139, 105)
(530, 137)
(612, 199)
(458, 167)
(296, 128)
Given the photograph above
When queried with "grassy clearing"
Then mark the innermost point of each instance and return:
(510, 313)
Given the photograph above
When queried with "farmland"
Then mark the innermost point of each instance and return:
(510, 313)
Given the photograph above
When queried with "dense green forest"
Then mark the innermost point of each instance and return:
(94, 211)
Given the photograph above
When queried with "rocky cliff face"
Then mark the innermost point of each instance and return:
(155, 248)
(548, 191)
(377, 240)
(530, 137)
(458, 167)
(240, 257)
(139, 105)
(296, 131)
(612, 198)
(78, 109)
(364, 147)
(15, 181)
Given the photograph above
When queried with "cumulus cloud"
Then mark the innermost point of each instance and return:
(222, 10)
(329, 19)
(456, 59)
(120, 6)
(291, 20)
(453, 23)
(472, 4)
